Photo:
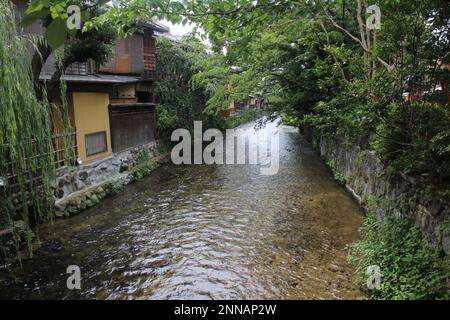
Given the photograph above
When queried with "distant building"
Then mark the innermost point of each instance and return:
(236, 107)
(442, 87)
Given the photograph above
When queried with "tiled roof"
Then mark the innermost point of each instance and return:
(156, 26)
(97, 78)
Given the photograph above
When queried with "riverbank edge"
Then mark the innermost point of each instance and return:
(363, 175)
(109, 178)
(82, 200)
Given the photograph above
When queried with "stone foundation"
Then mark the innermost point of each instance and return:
(70, 180)
(86, 185)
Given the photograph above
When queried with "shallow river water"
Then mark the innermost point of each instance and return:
(206, 232)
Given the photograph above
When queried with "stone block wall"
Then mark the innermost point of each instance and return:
(364, 176)
(79, 188)
(70, 180)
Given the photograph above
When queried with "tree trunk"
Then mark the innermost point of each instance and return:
(39, 58)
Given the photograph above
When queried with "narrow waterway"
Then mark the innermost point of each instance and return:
(206, 232)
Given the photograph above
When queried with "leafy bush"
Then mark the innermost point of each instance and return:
(179, 103)
(143, 156)
(290, 120)
(142, 170)
(114, 187)
(410, 269)
(350, 114)
(182, 98)
(415, 139)
(166, 121)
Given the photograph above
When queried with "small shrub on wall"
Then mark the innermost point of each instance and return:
(415, 139)
(410, 268)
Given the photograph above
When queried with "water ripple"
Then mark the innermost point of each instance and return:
(207, 232)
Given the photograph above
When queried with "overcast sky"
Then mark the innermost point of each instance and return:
(178, 29)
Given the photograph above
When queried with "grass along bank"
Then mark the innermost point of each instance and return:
(410, 268)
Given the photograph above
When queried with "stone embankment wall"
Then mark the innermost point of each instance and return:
(364, 176)
(79, 188)
(83, 187)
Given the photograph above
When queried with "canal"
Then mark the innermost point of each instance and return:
(205, 232)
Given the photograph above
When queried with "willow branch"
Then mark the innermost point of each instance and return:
(40, 56)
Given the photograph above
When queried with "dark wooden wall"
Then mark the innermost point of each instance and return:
(131, 126)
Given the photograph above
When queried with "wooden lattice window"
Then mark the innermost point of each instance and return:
(96, 143)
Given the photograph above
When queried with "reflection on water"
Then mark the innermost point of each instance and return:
(213, 232)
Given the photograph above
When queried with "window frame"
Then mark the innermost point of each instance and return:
(104, 133)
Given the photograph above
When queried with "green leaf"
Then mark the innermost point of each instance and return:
(35, 5)
(56, 33)
(85, 15)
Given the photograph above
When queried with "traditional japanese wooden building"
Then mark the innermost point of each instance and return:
(111, 106)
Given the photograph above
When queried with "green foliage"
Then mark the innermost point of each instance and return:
(219, 101)
(338, 175)
(25, 131)
(143, 156)
(349, 114)
(123, 16)
(95, 44)
(213, 75)
(166, 119)
(194, 85)
(410, 268)
(114, 187)
(179, 104)
(55, 15)
(307, 68)
(141, 170)
(356, 110)
(290, 120)
(181, 98)
(415, 139)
